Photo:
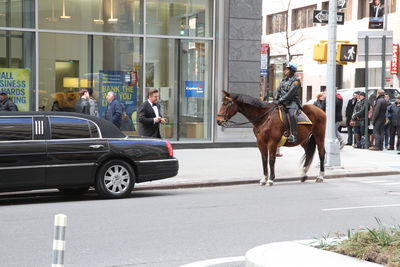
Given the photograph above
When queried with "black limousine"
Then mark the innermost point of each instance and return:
(73, 152)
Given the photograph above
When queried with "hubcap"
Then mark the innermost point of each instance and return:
(116, 179)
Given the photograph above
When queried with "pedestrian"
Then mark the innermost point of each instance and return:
(94, 110)
(287, 95)
(349, 112)
(113, 109)
(149, 115)
(321, 101)
(393, 115)
(386, 128)
(357, 120)
(83, 105)
(6, 104)
(378, 119)
(339, 118)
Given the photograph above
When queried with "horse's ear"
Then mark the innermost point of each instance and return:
(226, 93)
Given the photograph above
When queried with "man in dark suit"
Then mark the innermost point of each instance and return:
(113, 110)
(349, 112)
(149, 115)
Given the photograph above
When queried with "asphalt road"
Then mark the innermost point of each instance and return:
(174, 227)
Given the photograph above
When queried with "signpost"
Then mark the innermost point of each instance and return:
(321, 16)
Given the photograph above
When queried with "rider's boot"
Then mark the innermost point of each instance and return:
(293, 129)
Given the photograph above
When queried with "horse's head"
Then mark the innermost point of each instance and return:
(227, 109)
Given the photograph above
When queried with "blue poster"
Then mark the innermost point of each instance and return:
(194, 88)
(124, 84)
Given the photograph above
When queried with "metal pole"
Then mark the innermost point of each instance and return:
(60, 224)
(331, 144)
(386, 7)
(366, 93)
(383, 62)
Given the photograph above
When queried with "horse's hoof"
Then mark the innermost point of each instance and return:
(270, 183)
(319, 180)
(303, 179)
(262, 183)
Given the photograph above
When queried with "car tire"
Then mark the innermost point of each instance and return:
(74, 191)
(115, 179)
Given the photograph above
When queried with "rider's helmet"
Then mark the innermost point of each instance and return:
(291, 66)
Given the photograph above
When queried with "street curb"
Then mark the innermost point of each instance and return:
(256, 181)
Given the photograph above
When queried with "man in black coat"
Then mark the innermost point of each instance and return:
(349, 112)
(6, 104)
(378, 119)
(149, 115)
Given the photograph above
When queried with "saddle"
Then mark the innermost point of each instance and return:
(302, 118)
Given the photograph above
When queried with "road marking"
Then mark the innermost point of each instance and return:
(391, 183)
(215, 262)
(373, 182)
(362, 207)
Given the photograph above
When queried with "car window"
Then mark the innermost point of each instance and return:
(93, 130)
(68, 128)
(16, 128)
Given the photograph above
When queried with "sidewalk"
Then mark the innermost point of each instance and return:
(227, 166)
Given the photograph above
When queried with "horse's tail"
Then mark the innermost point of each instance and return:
(309, 151)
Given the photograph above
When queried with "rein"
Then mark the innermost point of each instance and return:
(229, 123)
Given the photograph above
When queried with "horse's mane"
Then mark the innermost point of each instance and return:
(252, 101)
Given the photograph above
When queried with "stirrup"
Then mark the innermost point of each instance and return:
(292, 139)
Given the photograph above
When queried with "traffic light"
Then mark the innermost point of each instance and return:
(346, 53)
(320, 52)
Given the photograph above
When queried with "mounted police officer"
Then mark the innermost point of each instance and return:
(287, 95)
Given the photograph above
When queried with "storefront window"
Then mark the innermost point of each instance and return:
(181, 70)
(71, 62)
(179, 17)
(119, 16)
(17, 13)
(17, 67)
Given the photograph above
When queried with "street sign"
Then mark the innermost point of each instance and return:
(321, 16)
(347, 52)
(341, 4)
(263, 72)
(375, 45)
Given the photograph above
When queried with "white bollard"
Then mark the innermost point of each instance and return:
(60, 224)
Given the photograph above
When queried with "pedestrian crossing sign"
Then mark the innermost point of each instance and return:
(346, 53)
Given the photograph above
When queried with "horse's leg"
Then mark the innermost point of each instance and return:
(321, 153)
(264, 157)
(272, 152)
(305, 168)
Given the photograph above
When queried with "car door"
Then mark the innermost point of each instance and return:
(22, 152)
(73, 150)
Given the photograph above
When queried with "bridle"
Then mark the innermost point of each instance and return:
(229, 123)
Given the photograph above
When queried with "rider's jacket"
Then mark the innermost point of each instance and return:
(287, 92)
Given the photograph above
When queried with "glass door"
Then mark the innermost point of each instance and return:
(181, 71)
(194, 93)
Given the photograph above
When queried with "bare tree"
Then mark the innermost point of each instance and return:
(291, 38)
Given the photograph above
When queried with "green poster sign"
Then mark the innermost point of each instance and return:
(15, 82)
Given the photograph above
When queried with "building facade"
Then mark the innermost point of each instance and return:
(190, 50)
(289, 23)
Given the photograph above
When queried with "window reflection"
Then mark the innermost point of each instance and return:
(121, 16)
(15, 129)
(68, 128)
(179, 17)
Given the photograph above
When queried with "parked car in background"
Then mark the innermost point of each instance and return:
(72, 152)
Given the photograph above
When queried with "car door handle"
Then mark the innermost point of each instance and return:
(96, 146)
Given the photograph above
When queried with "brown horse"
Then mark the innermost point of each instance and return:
(269, 129)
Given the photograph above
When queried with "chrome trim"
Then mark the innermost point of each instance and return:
(155, 160)
(47, 166)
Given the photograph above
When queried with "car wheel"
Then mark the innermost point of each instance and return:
(115, 179)
(73, 191)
